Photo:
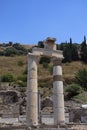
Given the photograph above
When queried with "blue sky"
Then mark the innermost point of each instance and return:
(30, 21)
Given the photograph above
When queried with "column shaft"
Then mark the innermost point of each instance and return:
(32, 92)
(59, 116)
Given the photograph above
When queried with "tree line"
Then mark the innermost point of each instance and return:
(71, 51)
(12, 49)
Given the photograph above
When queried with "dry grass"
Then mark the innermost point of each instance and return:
(69, 69)
(10, 65)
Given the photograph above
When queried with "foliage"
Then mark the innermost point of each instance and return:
(44, 59)
(25, 71)
(62, 46)
(10, 43)
(82, 97)
(7, 78)
(20, 63)
(22, 78)
(40, 44)
(45, 65)
(83, 52)
(21, 83)
(70, 51)
(50, 68)
(1, 53)
(20, 48)
(81, 78)
(14, 49)
(75, 56)
(73, 90)
(67, 53)
(10, 51)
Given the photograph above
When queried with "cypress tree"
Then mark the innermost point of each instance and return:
(83, 52)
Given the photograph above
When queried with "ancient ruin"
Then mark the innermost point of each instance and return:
(49, 50)
(19, 111)
(9, 104)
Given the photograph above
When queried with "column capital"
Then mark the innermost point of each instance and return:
(32, 55)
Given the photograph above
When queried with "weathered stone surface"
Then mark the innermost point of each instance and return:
(49, 50)
(48, 102)
(9, 106)
(32, 92)
(58, 97)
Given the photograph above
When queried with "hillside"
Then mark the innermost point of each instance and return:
(11, 65)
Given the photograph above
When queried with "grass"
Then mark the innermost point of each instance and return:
(10, 65)
(82, 97)
(70, 69)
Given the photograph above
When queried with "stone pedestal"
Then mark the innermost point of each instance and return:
(32, 92)
(58, 96)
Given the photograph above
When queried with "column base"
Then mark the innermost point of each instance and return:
(33, 127)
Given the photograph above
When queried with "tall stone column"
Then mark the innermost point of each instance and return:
(32, 92)
(58, 105)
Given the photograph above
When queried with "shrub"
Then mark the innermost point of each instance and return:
(25, 71)
(1, 53)
(44, 59)
(23, 78)
(18, 46)
(45, 65)
(73, 90)
(7, 78)
(21, 50)
(20, 63)
(50, 69)
(81, 78)
(10, 51)
(21, 83)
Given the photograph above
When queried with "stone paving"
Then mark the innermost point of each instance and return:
(46, 119)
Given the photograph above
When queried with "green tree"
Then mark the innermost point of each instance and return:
(62, 46)
(67, 53)
(83, 52)
(70, 42)
(70, 51)
(10, 43)
(40, 44)
(10, 51)
(75, 55)
(44, 59)
(81, 78)
(20, 48)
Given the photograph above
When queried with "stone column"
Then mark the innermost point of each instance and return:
(58, 105)
(32, 92)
